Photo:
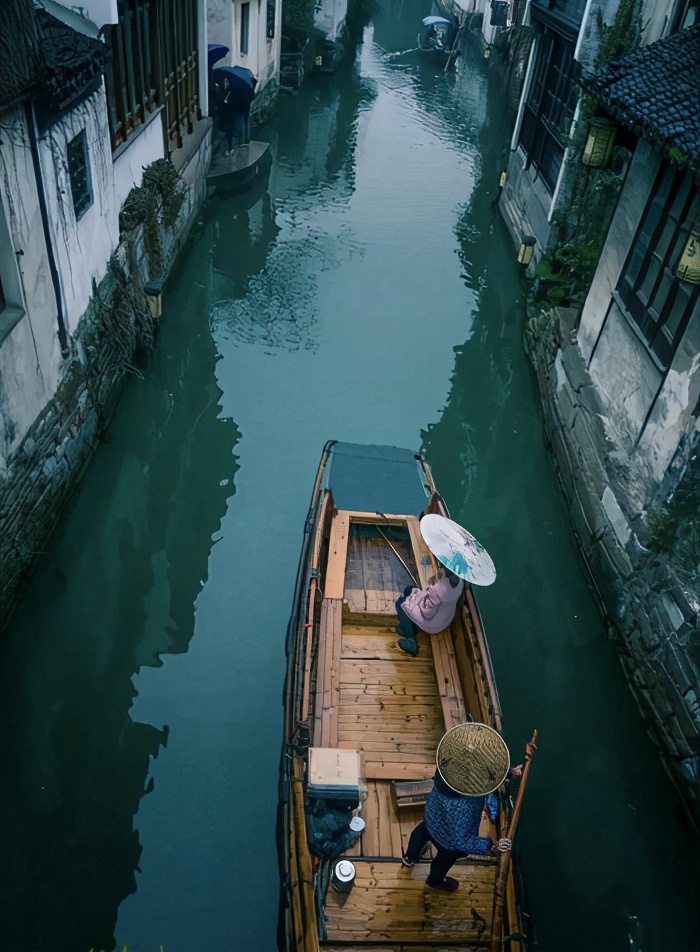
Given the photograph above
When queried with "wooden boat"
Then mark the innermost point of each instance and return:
(438, 32)
(355, 701)
(237, 172)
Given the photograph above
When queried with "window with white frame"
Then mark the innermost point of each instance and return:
(245, 26)
(658, 302)
(549, 106)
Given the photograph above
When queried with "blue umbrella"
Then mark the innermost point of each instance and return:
(216, 52)
(242, 73)
(242, 82)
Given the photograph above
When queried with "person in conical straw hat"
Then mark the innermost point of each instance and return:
(472, 762)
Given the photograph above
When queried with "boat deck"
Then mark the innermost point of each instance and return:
(394, 709)
(238, 167)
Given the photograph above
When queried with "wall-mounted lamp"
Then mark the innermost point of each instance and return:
(526, 250)
(600, 143)
(689, 266)
(154, 297)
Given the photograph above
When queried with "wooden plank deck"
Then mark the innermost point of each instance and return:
(390, 903)
(394, 709)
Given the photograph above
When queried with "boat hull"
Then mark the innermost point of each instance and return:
(352, 693)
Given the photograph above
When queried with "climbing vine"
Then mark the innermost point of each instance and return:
(623, 35)
(673, 526)
(155, 204)
(298, 18)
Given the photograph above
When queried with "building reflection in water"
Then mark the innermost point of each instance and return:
(115, 591)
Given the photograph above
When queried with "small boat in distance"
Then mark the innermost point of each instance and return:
(363, 721)
(438, 34)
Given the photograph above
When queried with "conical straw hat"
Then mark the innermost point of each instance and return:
(473, 759)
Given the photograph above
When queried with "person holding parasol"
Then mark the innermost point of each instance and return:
(432, 609)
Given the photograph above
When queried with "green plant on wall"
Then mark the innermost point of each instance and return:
(673, 526)
(155, 204)
(298, 18)
(565, 272)
(623, 35)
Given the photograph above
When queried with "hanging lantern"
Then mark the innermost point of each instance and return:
(154, 297)
(526, 250)
(600, 143)
(689, 266)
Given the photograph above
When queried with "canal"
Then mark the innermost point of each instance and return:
(365, 291)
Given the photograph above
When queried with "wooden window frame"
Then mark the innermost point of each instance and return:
(132, 69)
(550, 106)
(657, 303)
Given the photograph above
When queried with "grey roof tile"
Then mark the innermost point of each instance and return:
(655, 91)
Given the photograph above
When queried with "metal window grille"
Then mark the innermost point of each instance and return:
(270, 30)
(659, 303)
(79, 174)
(245, 26)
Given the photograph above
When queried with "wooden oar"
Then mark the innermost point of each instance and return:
(504, 858)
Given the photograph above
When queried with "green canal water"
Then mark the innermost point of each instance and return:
(365, 291)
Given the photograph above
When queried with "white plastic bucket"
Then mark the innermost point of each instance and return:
(343, 876)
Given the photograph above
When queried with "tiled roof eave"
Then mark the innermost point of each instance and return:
(653, 93)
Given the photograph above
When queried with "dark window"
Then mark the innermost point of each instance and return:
(79, 174)
(658, 302)
(549, 107)
(270, 31)
(3, 302)
(245, 26)
(499, 13)
(566, 14)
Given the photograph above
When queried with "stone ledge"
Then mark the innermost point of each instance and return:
(654, 619)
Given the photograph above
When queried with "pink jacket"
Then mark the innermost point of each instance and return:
(433, 609)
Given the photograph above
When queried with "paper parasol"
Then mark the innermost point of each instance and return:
(458, 550)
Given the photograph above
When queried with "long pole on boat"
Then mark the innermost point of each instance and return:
(457, 38)
(505, 858)
(394, 550)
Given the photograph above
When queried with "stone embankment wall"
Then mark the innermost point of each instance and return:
(114, 338)
(652, 607)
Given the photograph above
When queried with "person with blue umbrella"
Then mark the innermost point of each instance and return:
(234, 110)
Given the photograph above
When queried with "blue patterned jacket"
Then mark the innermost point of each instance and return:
(453, 820)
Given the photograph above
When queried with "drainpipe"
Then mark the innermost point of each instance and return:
(55, 280)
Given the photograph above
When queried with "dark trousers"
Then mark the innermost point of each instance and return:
(444, 859)
(241, 128)
(407, 627)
